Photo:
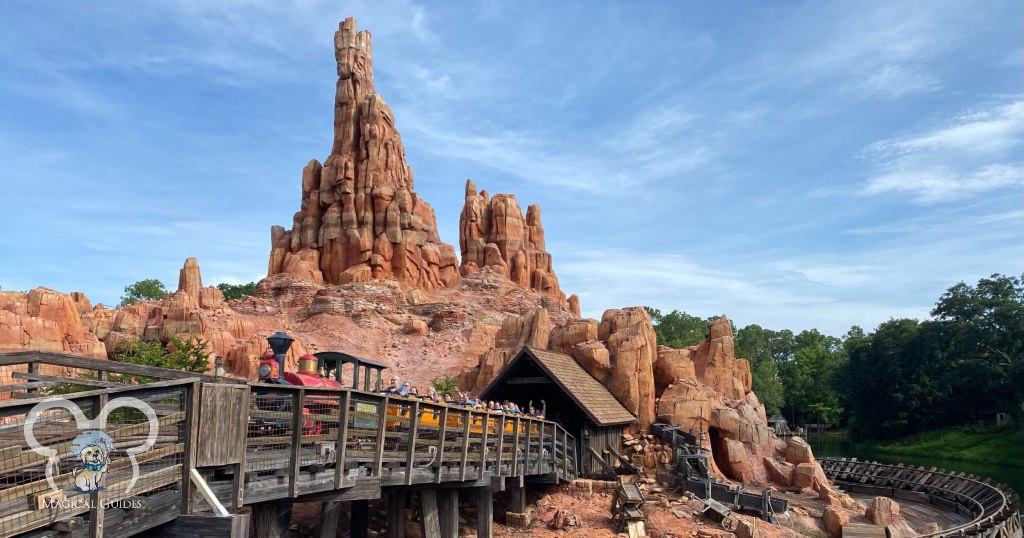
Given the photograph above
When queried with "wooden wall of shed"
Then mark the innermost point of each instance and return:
(599, 438)
(223, 419)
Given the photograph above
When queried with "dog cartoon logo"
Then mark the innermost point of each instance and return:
(93, 449)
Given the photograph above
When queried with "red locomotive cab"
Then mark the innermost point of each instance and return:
(308, 376)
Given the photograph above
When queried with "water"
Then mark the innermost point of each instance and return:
(838, 446)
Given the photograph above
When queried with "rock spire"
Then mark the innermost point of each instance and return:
(360, 218)
(494, 234)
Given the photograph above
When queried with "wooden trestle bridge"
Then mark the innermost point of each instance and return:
(219, 445)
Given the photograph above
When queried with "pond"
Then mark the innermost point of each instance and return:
(838, 446)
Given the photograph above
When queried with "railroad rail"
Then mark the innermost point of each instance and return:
(994, 508)
(220, 445)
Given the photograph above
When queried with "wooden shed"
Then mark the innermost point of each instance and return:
(573, 397)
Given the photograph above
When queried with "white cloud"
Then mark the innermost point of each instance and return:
(894, 81)
(969, 155)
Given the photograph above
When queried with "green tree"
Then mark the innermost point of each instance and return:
(809, 364)
(446, 385)
(150, 289)
(236, 291)
(985, 329)
(755, 344)
(190, 355)
(679, 329)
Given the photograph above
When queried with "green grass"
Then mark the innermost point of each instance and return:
(980, 444)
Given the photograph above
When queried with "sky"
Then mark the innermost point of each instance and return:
(792, 164)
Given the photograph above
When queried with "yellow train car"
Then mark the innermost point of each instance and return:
(398, 416)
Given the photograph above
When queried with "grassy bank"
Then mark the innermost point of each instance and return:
(1003, 446)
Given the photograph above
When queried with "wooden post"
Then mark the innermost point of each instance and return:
(396, 513)
(330, 514)
(443, 427)
(414, 423)
(340, 449)
(431, 523)
(448, 506)
(526, 452)
(358, 525)
(484, 512)
(486, 418)
(501, 444)
(191, 430)
(565, 454)
(517, 497)
(465, 445)
(515, 447)
(269, 519)
(97, 511)
(296, 457)
(382, 417)
(554, 441)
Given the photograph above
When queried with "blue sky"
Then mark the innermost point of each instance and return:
(791, 164)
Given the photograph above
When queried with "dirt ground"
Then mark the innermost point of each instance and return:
(668, 515)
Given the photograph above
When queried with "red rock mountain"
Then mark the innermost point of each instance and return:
(360, 218)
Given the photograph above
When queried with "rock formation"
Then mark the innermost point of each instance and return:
(47, 320)
(494, 235)
(360, 218)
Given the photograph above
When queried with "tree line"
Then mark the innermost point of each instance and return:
(964, 364)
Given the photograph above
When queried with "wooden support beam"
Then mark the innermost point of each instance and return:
(448, 508)
(360, 521)
(501, 444)
(341, 448)
(414, 423)
(515, 447)
(486, 419)
(396, 513)
(484, 512)
(517, 497)
(330, 515)
(207, 493)
(467, 418)
(382, 417)
(439, 464)
(295, 460)
(431, 521)
(271, 519)
(97, 512)
(62, 379)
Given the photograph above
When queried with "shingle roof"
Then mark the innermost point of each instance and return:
(599, 404)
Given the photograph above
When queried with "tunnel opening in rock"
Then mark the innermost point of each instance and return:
(718, 451)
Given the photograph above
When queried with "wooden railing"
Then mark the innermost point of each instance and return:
(994, 509)
(241, 443)
(27, 499)
(301, 441)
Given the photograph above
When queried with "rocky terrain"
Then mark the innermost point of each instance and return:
(362, 270)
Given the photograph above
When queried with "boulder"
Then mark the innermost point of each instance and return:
(798, 451)
(834, 519)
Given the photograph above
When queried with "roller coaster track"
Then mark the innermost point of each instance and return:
(994, 509)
